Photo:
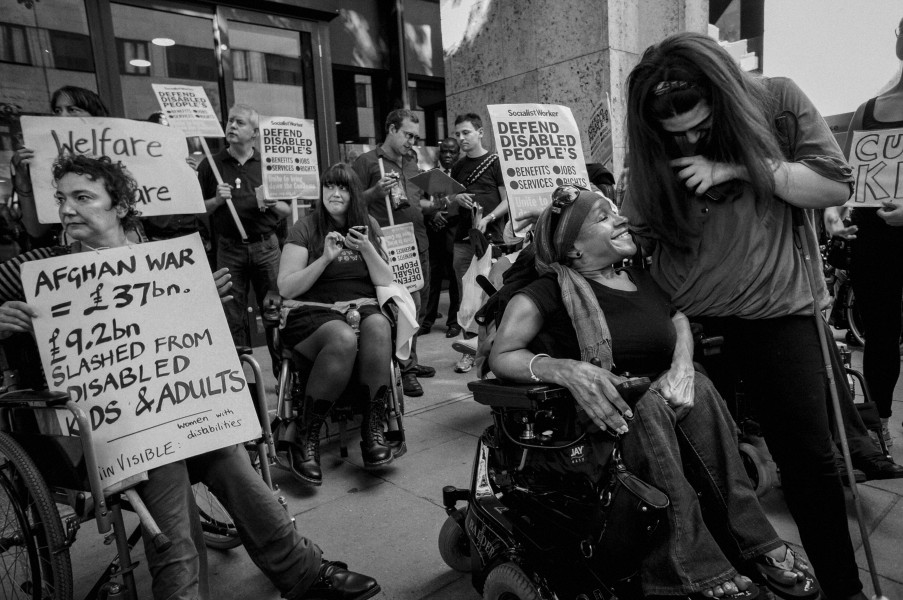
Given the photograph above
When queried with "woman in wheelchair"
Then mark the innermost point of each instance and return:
(96, 200)
(679, 437)
(331, 261)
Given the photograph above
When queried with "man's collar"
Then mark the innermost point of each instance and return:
(255, 154)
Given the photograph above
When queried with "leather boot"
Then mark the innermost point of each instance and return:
(305, 454)
(336, 582)
(374, 449)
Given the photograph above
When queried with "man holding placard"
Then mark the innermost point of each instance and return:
(253, 261)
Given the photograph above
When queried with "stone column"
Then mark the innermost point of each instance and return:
(568, 52)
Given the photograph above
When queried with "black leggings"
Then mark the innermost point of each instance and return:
(780, 363)
(877, 272)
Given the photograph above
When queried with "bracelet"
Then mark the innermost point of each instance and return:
(491, 216)
(533, 375)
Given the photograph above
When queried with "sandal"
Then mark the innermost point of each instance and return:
(750, 593)
(774, 575)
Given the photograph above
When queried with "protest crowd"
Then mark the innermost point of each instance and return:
(732, 186)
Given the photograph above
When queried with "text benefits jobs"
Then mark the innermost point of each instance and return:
(286, 141)
(535, 140)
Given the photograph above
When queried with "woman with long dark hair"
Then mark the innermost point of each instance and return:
(719, 162)
(332, 260)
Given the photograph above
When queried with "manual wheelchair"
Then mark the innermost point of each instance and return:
(49, 486)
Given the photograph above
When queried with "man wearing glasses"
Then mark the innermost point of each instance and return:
(399, 164)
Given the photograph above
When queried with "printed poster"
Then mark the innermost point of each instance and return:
(539, 148)
(188, 109)
(153, 154)
(601, 146)
(401, 248)
(288, 149)
(136, 337)
(877, 161)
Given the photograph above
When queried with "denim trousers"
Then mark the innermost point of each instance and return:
(289, 560)
(252, 265)
(714, 521)
(780, 364)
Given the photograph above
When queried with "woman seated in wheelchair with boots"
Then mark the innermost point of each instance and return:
(331, 260)
(679, 437)
(96, 199)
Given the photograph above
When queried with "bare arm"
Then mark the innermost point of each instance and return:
(676, 385)
(296, 276)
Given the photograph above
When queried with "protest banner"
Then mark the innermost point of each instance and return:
(137, 338)
(601, 146)
(154, 155)
(539, 149)
(288, 149)
(401, 247)
(877, 161)
(188, 109)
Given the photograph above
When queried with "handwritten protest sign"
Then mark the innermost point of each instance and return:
(137, 338)
(188, 109)
(877, 161)
(154, 155)
(601, 147)
(539, 149)
(288, 148)
(401, 247)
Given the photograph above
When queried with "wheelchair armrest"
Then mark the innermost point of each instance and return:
(503, 394)
(269, 312)
(33, 399)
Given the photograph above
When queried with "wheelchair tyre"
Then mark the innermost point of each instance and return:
(219, 530)
(34, 557)
(855, 335)
(508, 582)
(756, 468)
(454, 545)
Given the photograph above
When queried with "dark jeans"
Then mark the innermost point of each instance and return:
(441, 267)
(780, 364)
(877, 274)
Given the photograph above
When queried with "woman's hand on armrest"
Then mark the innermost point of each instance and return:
(594, 390)
(15, 317)
(222, 279)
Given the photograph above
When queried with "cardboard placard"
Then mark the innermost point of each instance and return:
(137, 338)
(401, 248)
(154, 155)
(539, 149)
(187, 109)
(877, 161)
(288, 149)
(601, 145)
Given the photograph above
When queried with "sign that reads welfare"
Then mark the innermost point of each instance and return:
(401, 247)
(187, 109)
(877, 161)
(539, 149)
(154, 155)
(288, 149)
(137, 338)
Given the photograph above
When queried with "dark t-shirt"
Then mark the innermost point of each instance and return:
(345, 278)
(485, 190)
(642, 333)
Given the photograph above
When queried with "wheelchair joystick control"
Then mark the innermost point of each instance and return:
(353, 318)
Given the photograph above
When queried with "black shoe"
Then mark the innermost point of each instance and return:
(424, 372)
(336, 582)
(879, 467)
(410, 385)
(453, 331)
(842, 471)
(374, 449)
(425, 329)
(304, 455)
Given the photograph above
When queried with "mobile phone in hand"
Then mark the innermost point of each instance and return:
(361, 229)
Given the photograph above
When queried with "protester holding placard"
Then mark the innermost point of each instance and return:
(876, 258)
(385, 172)
(331, 265)
(253, 262)
(718, 160)
(96, 200)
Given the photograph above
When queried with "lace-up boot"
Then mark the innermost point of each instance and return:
(374, 449)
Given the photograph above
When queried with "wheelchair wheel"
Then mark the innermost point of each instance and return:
(454, 545)
(34, 557)
(855, 335)
(219, 530)
(756, 468)
(508, 582)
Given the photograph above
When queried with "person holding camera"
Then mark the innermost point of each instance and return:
(385, 172)
(331, 264)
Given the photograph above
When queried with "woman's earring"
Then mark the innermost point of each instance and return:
(577, 253)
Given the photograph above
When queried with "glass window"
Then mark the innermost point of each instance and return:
(190, 62)
(240, 68)
(14, 44)
(71, 51)
(133, 57)
(285, 70)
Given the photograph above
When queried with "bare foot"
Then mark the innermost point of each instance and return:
(738, 584)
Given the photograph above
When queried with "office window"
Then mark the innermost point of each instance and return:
(71, 51)
(241, 70)
(285, 70)
(190, 62)
(14, 44)
(130, 51)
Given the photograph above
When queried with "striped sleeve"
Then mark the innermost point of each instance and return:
(11, 271)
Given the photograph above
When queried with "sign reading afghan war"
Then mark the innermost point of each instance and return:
(401, 247)
(288, 149)
(188, 109)
(137, 338)
(877, 161)
(539, 149)
(154, 155)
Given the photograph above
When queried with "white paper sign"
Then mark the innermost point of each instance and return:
(539, 149)
(137, 337)
(153, 154)
(187, 109)
(288, 148)
(877, 161)
(401, 247)
(599, 132)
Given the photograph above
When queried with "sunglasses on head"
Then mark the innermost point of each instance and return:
(562, 197)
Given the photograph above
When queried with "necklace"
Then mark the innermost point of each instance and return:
(90, 247)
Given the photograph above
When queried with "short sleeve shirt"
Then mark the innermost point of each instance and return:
(485, 191)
